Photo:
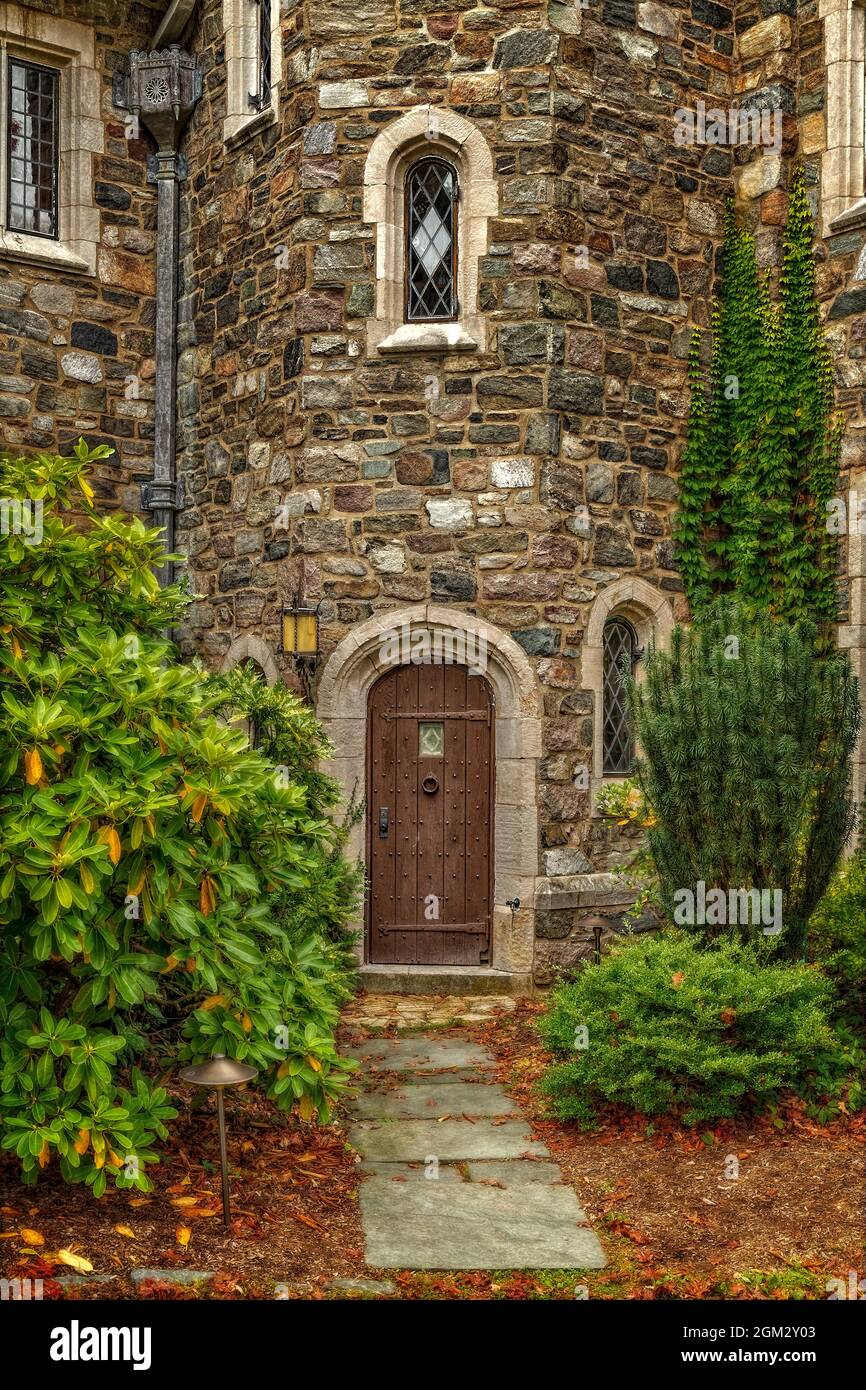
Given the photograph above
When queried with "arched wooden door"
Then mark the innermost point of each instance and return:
(430, 817)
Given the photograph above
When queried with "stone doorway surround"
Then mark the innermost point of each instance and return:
(341, 705)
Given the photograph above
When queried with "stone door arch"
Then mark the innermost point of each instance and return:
(404, 636)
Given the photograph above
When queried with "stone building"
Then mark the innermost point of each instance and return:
(386, 304)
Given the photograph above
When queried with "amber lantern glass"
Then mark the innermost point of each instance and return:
(300, 631)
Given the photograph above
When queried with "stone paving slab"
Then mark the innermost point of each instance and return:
(412, 1172)
(468, 1226)
(421, 1102)
(171, 1276)
(418, 1054)
(514, 1170)
(411, 1141)
(372, 1286)
(493, 1204)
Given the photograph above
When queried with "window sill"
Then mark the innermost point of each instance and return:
(55, 254)
(428, 337)
(850, 219)
(238, 129)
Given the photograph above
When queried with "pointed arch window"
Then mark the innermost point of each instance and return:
(621, 652)
(431, 242)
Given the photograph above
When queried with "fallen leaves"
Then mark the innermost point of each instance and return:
(76, 1262)
(183, 1235)
(305, 1220)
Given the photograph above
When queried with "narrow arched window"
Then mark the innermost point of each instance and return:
(261, 97)
(431, 242)
(620, 654)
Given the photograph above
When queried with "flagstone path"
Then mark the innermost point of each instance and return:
(453, 1178)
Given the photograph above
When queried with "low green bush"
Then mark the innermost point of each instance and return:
(667, 1028)
(837, 937)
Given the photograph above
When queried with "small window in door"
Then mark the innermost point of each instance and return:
(431, 740)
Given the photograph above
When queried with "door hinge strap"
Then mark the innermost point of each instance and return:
(477, 928)
(440, 714)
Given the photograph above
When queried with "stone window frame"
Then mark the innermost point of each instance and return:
(240, 24)
(843, 161)
(342, 703)
(255, 649)
(428, 131)
(251, 648)
(650, 613)
(70, 47)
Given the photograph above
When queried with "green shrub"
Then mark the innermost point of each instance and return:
(672, 1029)
(142, 846)
(286, 731)
(745, 736)
(837, 937)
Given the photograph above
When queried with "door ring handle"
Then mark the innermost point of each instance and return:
(430, 785)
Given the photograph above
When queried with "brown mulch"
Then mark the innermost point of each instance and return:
(294, 1211)
(663, 1198)
(672, 1225)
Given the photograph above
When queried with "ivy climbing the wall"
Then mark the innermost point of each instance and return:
(762, 454)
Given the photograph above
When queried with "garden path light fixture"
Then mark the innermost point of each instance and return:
(598, 926)
(216, 1074)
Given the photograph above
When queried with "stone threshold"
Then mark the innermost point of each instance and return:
(444, 979)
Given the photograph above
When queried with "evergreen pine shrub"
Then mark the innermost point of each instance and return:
(745, 736)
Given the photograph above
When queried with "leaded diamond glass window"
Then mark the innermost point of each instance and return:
(620, 654)
(261, 97)
(32, 151)
(431, 242)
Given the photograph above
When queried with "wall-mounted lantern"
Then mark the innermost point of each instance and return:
(300, 635)
(300, 641)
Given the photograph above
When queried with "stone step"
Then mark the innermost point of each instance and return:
(422, 1101)
(429, 1225)
(412, 1141)
(418, 1055)
(443, 979)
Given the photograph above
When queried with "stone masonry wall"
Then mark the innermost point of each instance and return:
(364, 482)
(460, 479)
(76, 350)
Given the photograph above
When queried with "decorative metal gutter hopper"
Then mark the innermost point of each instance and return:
(161, 90)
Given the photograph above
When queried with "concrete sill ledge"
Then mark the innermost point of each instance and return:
(850, 219)
(582, 890)
(428, 337)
